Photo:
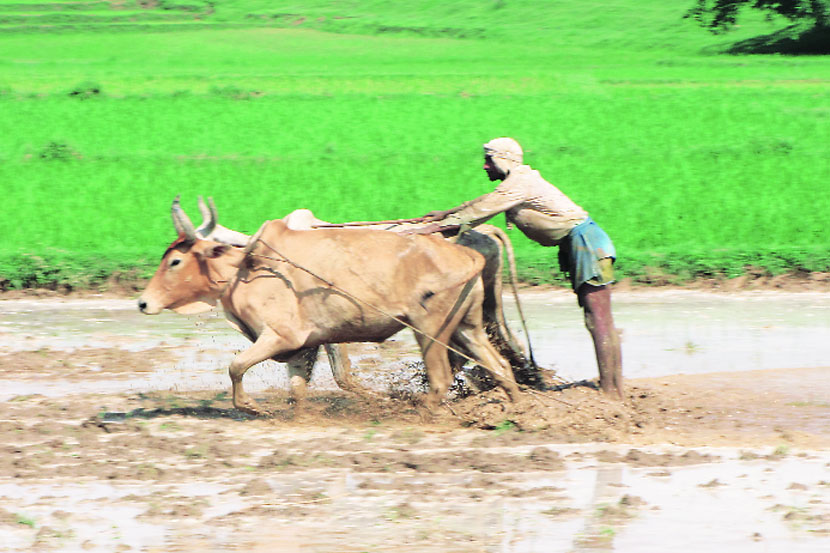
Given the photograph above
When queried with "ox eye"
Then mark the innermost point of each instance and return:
(175, 262)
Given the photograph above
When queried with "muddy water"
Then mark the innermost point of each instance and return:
(663, 333)
(204, 344)
(730, 505)
(693, 508)
(687, 332)
(733, 500)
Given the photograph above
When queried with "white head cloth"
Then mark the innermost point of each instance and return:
(505, 152)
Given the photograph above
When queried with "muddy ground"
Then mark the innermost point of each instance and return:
(730, 461)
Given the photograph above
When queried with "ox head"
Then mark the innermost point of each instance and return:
(193, 272)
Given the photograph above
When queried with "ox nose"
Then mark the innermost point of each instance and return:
(142, 305)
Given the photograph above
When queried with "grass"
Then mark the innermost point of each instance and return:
(25, 520)
(504, 426)
(697, 163)
(822, 404)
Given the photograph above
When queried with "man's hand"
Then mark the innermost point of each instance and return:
(428, 229)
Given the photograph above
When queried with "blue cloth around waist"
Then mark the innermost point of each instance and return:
(581, 250)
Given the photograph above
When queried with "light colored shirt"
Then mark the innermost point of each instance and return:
(540, 210)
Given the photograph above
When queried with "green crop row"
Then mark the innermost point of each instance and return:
(696, 163)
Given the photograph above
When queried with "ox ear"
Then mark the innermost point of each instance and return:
(217, 251)
(212, 250)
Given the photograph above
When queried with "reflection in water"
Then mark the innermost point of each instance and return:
(680, 508)
(598, 526)
(731, 506)
(684, 332)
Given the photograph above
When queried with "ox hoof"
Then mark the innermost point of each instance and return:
(429, 404)
(251, 408)
(425, 414)
(513, 394)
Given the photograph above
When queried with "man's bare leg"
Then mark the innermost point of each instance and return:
(599, 320)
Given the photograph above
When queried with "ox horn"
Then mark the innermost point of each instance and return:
(249, 247)
(176, 223)
(208, 218)
(181, 221)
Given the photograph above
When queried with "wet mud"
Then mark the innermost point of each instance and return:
(729, 461)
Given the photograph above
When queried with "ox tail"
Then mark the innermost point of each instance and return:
(511, 264)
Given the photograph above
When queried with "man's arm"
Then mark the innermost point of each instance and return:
(439, 214)
(481, 209)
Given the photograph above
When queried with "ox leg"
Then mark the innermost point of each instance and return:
(459, 305)
(341, 368)
(473, 339)
(266, 346)
(437, 365)
(596, 302)
(299, 373)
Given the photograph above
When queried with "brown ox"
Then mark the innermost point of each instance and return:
(290, 290)
(488, 240)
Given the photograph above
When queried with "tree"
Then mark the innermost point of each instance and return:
(721, 15)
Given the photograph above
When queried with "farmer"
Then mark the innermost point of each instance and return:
(549, 217)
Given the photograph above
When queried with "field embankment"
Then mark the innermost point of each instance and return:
(698, 163)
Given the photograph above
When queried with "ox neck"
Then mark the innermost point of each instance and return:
(222, 271)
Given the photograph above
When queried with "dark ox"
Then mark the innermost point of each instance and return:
(333, 286)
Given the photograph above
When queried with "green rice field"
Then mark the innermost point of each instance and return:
(698, 163)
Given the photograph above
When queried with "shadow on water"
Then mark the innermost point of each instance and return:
(591, 384)
(791, 41)
(330, 406)
(199, 412)
(174, 405)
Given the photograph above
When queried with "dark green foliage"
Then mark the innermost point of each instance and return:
(85, 90)
(722, 15)
(61, 270)
(793, 40)
(58, 151)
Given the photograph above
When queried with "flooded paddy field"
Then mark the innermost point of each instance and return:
(118, 435)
